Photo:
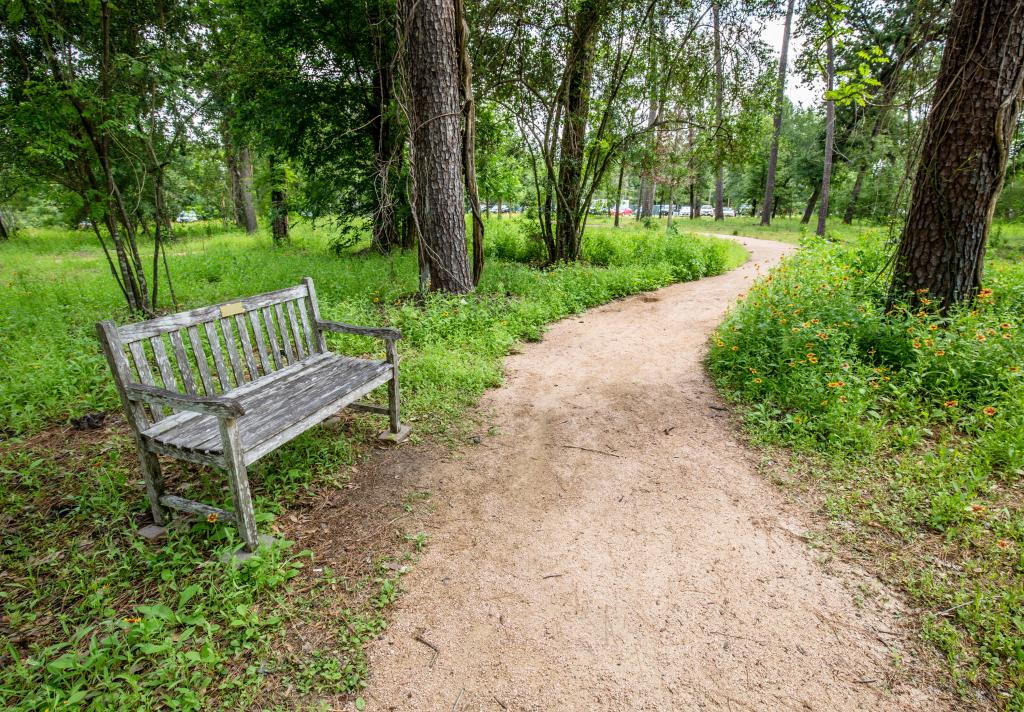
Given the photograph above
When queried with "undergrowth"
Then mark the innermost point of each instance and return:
(94, 617)
(914, 425)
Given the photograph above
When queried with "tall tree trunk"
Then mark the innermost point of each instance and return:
(278, 202)
(830, 136)
(691, 168)
(239, 164)
(5, 233)
(618, 191)
(780, 102)
(469, 140)
(579, 70)
(246, 194)
(719, 101)
(435, 121)
(978, 97)
(811, 202)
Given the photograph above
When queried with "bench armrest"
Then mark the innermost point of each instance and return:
(218, 406)
(383, 332)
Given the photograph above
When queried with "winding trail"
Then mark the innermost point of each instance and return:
(613, 547)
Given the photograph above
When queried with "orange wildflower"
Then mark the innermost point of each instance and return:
(989, 411)
(950, 404)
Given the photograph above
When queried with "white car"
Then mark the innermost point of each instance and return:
(728, 212)
(188, 216)
(707, 211)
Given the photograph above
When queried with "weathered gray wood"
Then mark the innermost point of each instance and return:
(275, 347)
(370, 408)
(382, 332)
(221, 406)
(201, 365)
(287, 384)
(201, 433)
(232, 349)
(288, 402)
(243, 336)
(317, 417)
(275, 408)
(285, 341)
(302, 308)
(396, 423)
(135, 413)
(163, 365)
(203, 510)
(314, 312)
(200, 458)
(234, 457)
(261, 344)
(145, 374)
(173, 322)
(293, 322)
(181, 358)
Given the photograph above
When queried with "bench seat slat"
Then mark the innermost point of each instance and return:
(182, 419)
(299, 394)
(273, 409)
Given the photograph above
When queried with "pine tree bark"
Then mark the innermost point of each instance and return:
(719, 101)
(435, 122)
(780, 99)
(978, 97)
(830, 136)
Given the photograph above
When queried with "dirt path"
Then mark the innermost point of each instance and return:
(612, 547)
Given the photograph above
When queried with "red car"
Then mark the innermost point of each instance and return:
(625, 211)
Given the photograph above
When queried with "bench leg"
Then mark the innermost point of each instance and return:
(245, 517)
(154, 481)
(397, 432)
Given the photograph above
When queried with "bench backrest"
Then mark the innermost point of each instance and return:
(215, 349)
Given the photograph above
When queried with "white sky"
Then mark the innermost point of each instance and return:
(798, 92)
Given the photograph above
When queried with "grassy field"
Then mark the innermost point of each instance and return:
(908, 428)
(95, 618)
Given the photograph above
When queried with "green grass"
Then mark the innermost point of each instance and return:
(95, 618)
(909, 426)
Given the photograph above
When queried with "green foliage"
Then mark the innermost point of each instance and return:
(917, 422)
(93, 617)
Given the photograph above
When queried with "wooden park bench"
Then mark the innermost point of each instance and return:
(225, 385)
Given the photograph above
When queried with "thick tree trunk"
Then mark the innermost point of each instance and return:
(579, 69)
(435, 122)
(830, 136)
(5, 233)
(239, 164)
(645, 203)
(719, 101)
(978, 96)
(780, 102)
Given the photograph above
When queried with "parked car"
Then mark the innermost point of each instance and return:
(187, 216)
(682, 211)
(624, 211)
(744, 209)
(728, 212)
(707, 211)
